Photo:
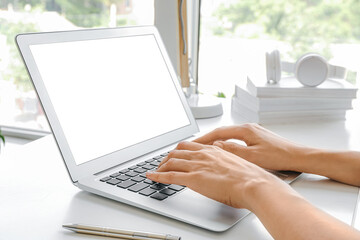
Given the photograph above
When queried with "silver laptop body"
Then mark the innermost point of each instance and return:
(113, 100)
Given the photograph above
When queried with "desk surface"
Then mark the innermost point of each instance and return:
(37, 197)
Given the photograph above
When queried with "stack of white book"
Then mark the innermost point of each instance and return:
(289, 101)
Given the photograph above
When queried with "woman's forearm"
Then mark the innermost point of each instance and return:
(287, 215)
(342, 166)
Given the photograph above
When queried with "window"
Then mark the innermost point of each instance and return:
(235, 34)
(19, 106)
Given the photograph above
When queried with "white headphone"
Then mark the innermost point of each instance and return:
(311, 69)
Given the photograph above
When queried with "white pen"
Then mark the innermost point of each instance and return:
(118, 233)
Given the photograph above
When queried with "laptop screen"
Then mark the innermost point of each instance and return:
(109, 94)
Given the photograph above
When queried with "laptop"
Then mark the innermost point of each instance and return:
(115, 106)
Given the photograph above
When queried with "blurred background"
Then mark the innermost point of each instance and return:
(234, 36)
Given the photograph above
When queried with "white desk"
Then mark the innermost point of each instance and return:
(37, 197)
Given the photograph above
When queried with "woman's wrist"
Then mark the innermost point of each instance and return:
(263, 196)
(255, 190)
(304, 159)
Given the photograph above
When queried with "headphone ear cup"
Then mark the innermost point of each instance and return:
(273, 67)
(311, 69)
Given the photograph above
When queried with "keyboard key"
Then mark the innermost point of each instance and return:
(137, 179)
(113, 181)
(157, 186)
(133, 167)
(122, 178)
(164, 154)
(148, 181)
(114, 175)
(176, 187)
(124, 171)
(143, 175)
(131, 174)
(126, 184)
(155, 163)
(105, 179)
(138, 187)
(159, 196)
(147, 191)
(157, 157)
(141, 164)
(140, 170)
(167, 191)
(149, 160)
(148, 167)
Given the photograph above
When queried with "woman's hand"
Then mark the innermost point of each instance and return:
(213, 172)
(264, 148)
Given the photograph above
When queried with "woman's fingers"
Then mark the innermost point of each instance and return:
(184, 150)
(176, 164)
(241, 132)
(179, 178)
(180, 154)
(237, 149)
(192, 146)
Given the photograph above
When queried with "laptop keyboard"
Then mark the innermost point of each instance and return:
(134, 179)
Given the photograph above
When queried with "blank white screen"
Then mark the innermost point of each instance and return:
(109, 94)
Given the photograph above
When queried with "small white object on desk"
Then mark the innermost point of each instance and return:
(205, 106)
